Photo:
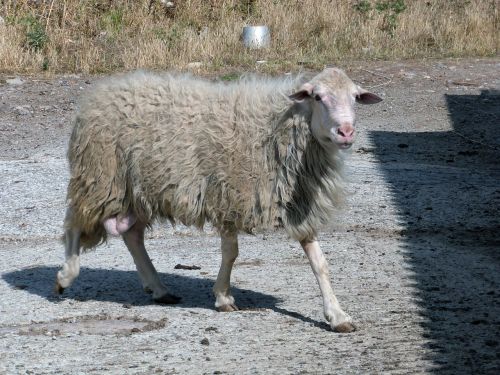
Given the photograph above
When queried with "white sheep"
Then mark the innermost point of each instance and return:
(250, 155)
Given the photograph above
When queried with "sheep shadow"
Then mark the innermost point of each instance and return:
(447, 189)
(123, 287)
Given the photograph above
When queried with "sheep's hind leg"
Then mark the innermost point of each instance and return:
(338, 319)
(134, 239)
(224, 300)
(71, 267)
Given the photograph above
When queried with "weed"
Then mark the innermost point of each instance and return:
(170, 37)
(363, 6)
(112, 21)
(230, 76)
(36, 38)
(45, 64)
(391, 10)
(247, 8)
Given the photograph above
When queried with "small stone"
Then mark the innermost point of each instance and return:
(194, 65)
(203, 32)
(22, 110)
(205, 342)
(47, 108)
(184, 267)
(14, 81)
(72, 76)
(409, 75)
(167, 4)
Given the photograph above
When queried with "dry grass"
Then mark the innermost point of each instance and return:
(107, 35)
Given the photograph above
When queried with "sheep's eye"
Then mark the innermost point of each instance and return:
(317, 98)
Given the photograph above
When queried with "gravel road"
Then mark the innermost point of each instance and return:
(414, 257)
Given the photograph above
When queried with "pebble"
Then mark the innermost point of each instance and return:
(47, 108)
(194, 65)
(14, 81)
(23, 110)
(204, 31)
(167, 4)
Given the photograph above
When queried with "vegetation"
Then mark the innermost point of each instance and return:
(93, 36)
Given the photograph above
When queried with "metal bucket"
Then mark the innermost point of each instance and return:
(256, 36)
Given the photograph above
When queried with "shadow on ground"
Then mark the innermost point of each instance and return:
(447, 188)
(96, 284)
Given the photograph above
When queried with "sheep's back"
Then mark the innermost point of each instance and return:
(167, 146)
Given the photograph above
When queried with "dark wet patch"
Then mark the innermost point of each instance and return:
(101, 325)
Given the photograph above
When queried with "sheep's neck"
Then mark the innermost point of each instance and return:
(308, 179)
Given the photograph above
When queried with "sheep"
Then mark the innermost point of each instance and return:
(246, 156)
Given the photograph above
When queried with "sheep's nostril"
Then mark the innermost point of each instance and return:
(345, 131)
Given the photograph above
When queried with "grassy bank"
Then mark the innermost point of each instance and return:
(108, 35)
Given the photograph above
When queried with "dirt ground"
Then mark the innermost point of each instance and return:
(414, 257)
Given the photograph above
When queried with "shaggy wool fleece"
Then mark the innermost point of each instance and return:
(162, 146)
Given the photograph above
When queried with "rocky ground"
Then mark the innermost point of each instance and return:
(414, 257)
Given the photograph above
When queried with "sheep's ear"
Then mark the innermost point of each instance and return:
(303, 93)
(366, 97)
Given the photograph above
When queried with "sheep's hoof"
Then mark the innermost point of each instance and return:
(345, 327)
(167, 299)
(227, 308)
(58, 289)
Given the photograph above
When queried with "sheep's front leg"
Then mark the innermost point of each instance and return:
(338, 319)
(134, 239)
(229, 246)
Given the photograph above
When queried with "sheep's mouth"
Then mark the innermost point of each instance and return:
(343, 145)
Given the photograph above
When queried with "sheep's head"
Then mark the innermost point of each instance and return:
(331, 95)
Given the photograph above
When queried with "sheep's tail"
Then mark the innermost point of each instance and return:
(96, 189)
